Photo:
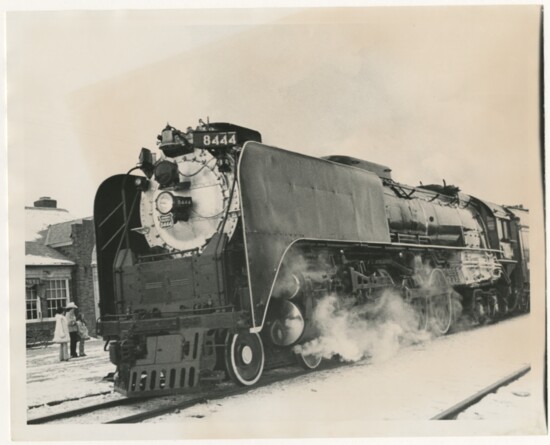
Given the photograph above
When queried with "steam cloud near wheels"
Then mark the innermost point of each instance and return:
(376, 329)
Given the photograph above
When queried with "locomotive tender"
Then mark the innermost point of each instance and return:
(212, 259)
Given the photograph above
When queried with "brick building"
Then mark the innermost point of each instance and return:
(58, 265)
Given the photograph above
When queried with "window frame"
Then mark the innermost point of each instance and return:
(504, 230)
(47, 290)
(38, 302)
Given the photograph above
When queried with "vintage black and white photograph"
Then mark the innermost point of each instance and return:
(241, 223)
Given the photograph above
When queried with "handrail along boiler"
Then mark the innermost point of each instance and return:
(212, 259)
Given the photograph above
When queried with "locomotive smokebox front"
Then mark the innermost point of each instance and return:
(186, 203)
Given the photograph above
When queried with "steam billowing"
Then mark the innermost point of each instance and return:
(353, 332)
(294, 266)
(377, 329)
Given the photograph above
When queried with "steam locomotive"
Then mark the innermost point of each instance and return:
(212, 259)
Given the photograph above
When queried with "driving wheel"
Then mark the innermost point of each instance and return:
(441, 305)
(420, 306)
(244, 358)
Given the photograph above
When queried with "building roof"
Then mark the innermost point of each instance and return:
(37, 254)
(37, 220)
(60, 234)
(45, 229)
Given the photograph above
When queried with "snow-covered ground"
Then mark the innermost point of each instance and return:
(410, 387)
(49, 380)
(508, 402)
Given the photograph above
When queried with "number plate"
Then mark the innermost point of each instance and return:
(166, 221)
(214, 139)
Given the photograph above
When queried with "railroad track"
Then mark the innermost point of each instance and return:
(452, 412)
(233, 391)
(81, 411)
(71, 399)
(219, 393)
(169, 407)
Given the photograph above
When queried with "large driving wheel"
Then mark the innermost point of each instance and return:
(420, 306)
(308, 361)
(441, 304)
(244, 358)
(441, 313)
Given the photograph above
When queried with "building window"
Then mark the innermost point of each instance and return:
(57, 295)
(33, 304)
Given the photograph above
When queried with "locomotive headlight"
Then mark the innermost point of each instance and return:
(178, 206)
(165, 202)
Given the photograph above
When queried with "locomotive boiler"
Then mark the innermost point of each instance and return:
(212, 259)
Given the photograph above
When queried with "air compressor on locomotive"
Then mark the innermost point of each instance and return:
(212, 259)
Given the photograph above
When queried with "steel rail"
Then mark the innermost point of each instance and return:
(139, 417)
(82, 410)
(72, 399)
(148, 414)
(265, 381)
(452, 412)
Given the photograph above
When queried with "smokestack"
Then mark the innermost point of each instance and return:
(46, 201)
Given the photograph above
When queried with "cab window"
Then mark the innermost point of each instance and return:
(503, 227)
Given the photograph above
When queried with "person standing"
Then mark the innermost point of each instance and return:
(61, 334)
(73, 328)
(82, 334)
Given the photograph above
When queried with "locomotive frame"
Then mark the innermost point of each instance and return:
(176, 319)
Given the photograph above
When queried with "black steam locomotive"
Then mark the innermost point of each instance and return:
(211, 260)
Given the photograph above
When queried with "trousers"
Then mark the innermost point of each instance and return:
(63, 352)
(74, 341)
(81, 347)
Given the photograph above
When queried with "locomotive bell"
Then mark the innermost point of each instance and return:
(166, 173)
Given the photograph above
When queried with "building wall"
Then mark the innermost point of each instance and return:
(80, 251)
(41, 275)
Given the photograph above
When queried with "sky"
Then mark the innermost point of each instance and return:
(434, 92)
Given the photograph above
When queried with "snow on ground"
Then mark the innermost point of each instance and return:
(507, 403)
(50, 380)
(414, 385)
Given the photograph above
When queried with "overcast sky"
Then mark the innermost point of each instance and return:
(434, 92)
